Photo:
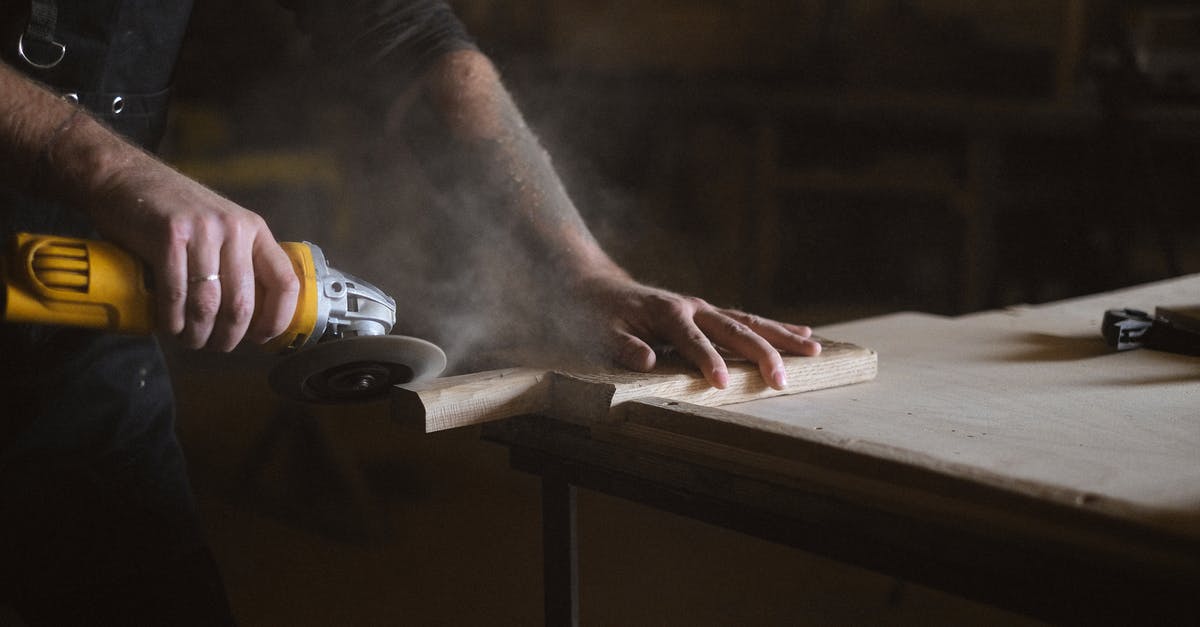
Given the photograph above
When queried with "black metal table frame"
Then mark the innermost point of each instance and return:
(1044, 581)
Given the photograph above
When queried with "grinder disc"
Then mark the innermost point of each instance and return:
(359, 368)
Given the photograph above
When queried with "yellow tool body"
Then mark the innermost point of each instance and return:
(50, 279)
(76, 282)
(70, 281)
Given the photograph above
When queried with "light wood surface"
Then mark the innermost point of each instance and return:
(594, 397)
(1027, 401)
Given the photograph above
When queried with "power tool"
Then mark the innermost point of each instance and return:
(337, 347)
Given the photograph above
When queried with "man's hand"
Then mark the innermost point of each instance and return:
(636, 317)
(213, 261)
(499, 160)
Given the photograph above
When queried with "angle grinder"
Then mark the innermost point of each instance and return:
(336, 348)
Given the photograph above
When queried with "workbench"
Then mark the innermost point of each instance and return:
(1009, 457)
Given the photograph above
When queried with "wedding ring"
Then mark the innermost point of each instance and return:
(204, 279)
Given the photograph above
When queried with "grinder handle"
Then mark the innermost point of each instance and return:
(71, 281)
(75, 282)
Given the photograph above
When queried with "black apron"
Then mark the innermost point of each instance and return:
(117, 57)
(97, 520)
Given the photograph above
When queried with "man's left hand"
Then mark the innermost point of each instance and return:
(636, 317)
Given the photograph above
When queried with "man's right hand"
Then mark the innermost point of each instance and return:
(219, 274)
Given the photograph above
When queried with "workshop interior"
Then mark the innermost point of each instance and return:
(815, 161)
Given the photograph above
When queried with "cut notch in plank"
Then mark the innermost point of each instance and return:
(590, 397)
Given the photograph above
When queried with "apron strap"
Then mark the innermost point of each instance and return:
(37, 45)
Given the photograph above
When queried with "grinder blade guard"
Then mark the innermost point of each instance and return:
(347, 305)
(359, 368)
(349, 355)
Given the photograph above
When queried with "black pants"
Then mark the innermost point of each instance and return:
(97, 522)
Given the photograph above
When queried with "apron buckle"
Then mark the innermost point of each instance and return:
(41, 54)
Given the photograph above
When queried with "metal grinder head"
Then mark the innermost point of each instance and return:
(338, 345)
(358, 368)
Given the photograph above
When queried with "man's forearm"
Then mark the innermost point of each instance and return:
(504, 162)
(49, 146)
(602, 314)
(180, 228)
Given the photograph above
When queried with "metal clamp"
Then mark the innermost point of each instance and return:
(1172, 329)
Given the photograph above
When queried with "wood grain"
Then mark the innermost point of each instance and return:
(475, 398)
(592, 397)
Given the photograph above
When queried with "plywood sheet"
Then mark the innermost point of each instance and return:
(1027, 399)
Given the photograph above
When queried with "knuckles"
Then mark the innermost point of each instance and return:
(674, 306)
(285, 280)
(174, 295)
(204, 306)
(752, 320)
(733, 327)
(176, 234)
(241, 309)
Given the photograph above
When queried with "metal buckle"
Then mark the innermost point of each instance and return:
(61, 49)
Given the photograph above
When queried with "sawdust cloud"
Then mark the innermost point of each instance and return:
(459, 273)
(456, 264)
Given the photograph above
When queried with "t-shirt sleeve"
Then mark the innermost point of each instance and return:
(391, 35)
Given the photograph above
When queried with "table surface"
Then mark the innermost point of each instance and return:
(1028, 399)
(1008, 456)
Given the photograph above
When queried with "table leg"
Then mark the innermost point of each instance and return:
(561, 574)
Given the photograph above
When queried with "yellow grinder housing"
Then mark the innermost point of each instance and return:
(50, 279)
(76, 282)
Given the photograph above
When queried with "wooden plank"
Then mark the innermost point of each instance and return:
(469, 399)
(587, 398)
(590, 397)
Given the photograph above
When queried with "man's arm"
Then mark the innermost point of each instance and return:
(505, 157)
(180, 228)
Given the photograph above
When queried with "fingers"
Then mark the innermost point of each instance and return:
(279, 291)
(741, 339)
(787, 337)
(696, 329)
(212, 303)
(633, 353)
(694, 345)
(237, 296)
(171, 290)
(203, 289)
(798, 329)
(205, 252)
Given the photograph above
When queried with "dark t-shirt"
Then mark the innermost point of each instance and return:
(128, 49)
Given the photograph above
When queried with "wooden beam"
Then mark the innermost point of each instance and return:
(592, 397)
(459, 401)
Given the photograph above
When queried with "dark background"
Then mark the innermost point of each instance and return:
(816, 161)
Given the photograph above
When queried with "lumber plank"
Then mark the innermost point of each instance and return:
(594, 397)
(588, 398)
(475, 398)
